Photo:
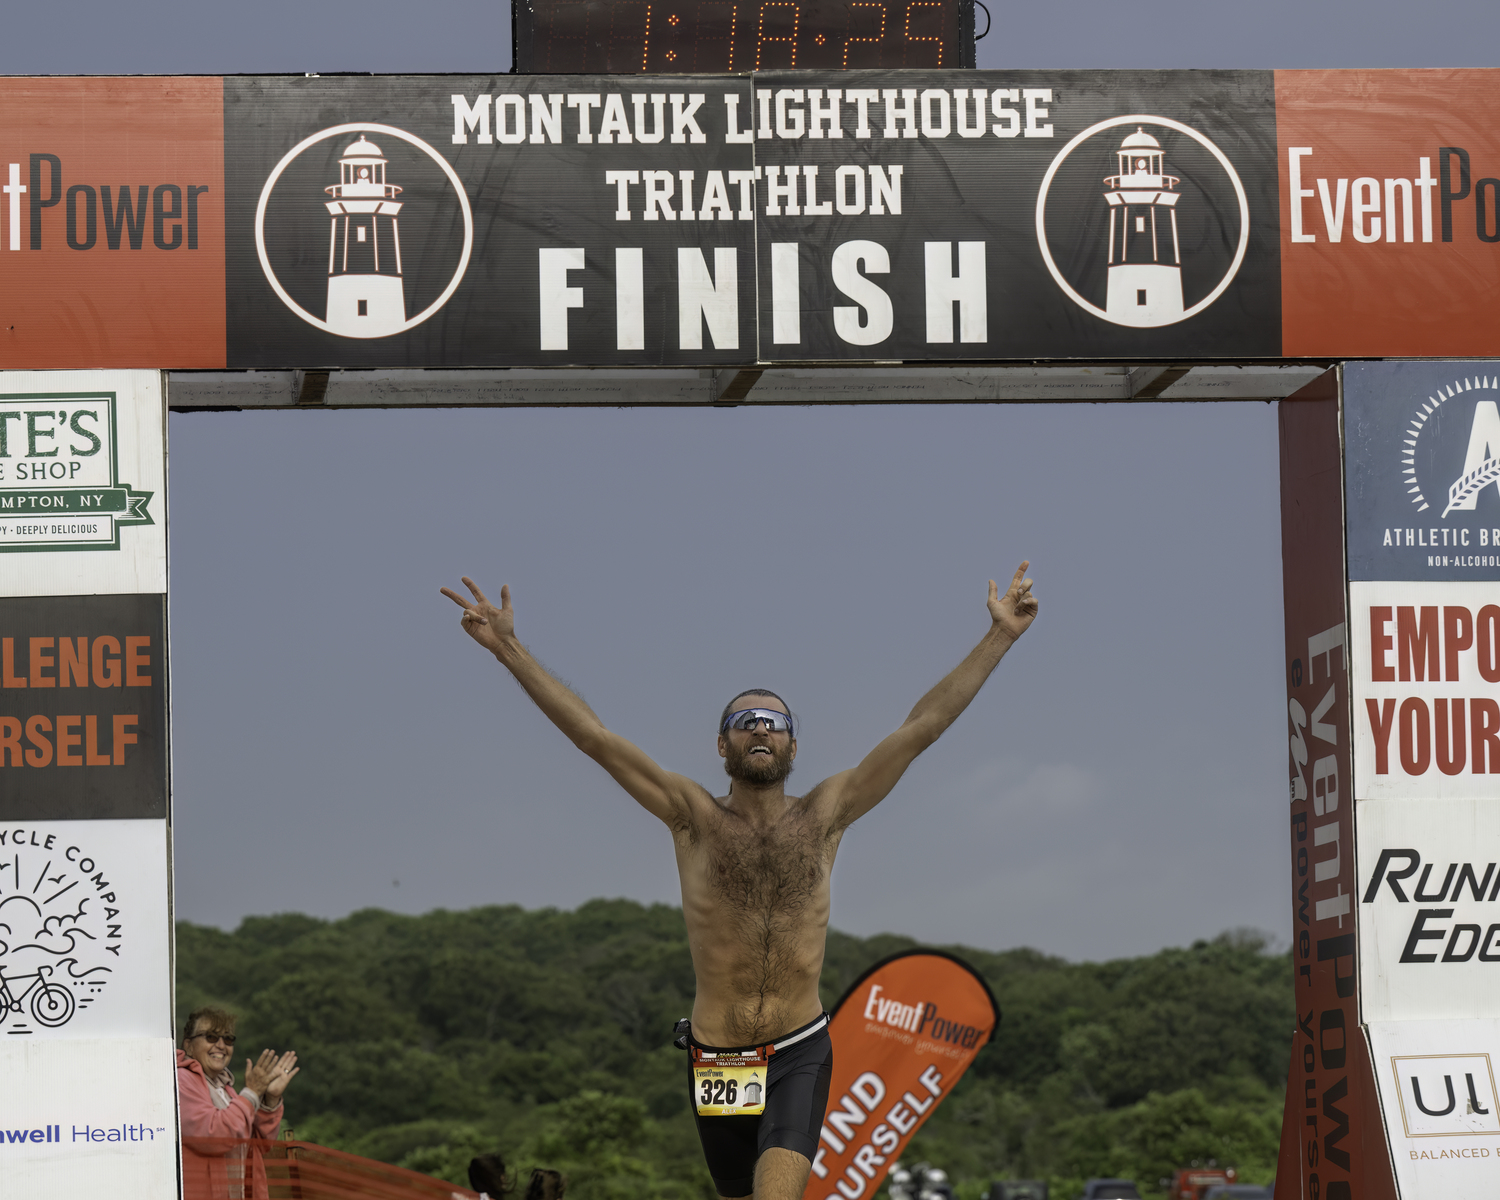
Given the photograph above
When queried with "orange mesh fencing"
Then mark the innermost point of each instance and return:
(253, 1169)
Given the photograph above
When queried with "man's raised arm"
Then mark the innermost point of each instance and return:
(854, 793)
(659, 792)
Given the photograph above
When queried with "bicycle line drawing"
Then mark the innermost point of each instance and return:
(55, 936)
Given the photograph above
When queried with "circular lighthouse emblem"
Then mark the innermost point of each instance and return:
(364, 230)
(1142, 221)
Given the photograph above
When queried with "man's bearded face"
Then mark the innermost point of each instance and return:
(760, 759)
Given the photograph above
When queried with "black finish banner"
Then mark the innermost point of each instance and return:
(409, 222)
(594, 220)
(1049, 214)
(776, 217)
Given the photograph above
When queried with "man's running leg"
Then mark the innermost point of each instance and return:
(781, 1174)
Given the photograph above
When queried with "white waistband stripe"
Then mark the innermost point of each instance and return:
(819, 1024)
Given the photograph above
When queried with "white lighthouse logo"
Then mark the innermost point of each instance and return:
(1143, 250)
(366, 297)
(1145, 259)
(367, 292)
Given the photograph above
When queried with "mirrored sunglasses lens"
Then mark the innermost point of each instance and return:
(775, 722)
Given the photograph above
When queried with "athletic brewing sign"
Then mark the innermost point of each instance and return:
(454, 221)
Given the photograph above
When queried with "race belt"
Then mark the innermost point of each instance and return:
(732, 1083)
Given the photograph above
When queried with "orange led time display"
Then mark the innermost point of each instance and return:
(615, 37)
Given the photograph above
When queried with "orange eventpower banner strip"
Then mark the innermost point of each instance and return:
(903, 1036)
(776, 217)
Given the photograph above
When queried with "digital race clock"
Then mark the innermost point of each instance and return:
(618, 37)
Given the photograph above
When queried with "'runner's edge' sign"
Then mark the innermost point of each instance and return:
(795, 217)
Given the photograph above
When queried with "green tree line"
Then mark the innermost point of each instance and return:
(546, 1036)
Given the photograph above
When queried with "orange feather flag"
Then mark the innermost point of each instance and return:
(903, 1035)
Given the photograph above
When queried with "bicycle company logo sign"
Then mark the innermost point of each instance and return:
(60, 929)
(60, 485)
(349, 226)
(1451, 1095)
(1149, 193)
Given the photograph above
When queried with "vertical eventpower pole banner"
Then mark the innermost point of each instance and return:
(1422, 477)
(1332, 1139)
(87, 1079)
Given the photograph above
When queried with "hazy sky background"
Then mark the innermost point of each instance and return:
(1118, 786)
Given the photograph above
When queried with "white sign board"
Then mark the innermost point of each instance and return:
(1422, 554)
(85, 947)
(1437, 1082)
(87, 1117)
(88, 1095)
(1429, 909)
(83, 482)
(1426, 662)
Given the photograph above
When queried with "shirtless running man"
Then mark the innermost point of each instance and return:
(755, 868)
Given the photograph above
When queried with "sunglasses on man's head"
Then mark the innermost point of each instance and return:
(213, 1039)
(750, 718)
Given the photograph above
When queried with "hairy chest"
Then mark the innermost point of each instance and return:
(783, 868)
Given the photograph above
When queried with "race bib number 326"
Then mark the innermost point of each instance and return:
(730, 1086)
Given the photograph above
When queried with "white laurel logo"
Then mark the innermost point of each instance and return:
(1481, 463)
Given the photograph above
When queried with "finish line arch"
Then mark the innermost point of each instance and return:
(917, 237)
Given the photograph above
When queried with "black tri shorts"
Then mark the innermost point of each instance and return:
(797, 1077)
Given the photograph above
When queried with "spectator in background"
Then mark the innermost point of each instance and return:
(207, 1099)
(487, 1176)
(545, 1184)
(211, 1109)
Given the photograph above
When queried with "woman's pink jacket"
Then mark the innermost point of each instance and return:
(242, 1119)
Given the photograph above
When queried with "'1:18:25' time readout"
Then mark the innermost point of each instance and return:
(705, 36)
